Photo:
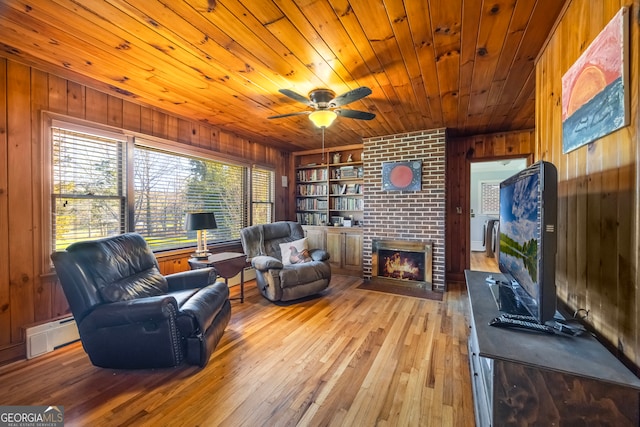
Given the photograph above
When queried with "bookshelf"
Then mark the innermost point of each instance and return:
(312, 191)
(329, 188)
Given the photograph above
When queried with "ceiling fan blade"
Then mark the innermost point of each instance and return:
(355, 114)
(299, 113)
(296, 96)
(351, 96)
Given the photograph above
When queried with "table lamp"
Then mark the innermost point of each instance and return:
(201, 222)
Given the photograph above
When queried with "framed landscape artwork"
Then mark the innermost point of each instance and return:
(595, 90)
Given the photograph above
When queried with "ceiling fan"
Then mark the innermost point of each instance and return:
(326, 105)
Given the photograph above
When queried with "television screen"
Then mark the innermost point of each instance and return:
(527, 250)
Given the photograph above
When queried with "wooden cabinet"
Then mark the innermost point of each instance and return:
(344, 244)
(521, 377)
(316, 236)
(329, 186)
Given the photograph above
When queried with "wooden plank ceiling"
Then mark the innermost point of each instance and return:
(467, 65)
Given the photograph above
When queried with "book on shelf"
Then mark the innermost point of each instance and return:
(346, 204)
(353, 189)
(312, 189)
(311, 218)
(312, 175)
(349, 173)
(345, 189)
(314, 204)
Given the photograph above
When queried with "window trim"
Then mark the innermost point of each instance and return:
(133, 139)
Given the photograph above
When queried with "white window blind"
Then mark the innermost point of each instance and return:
(96, 191)
(490, 197)
(87, 199)
(262, 196)
(168, 185)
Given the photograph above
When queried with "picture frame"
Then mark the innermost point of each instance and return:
(402, 176)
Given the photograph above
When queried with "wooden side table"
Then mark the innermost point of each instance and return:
(226, 265)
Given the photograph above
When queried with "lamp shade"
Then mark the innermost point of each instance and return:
(200, 221)
(322, 118)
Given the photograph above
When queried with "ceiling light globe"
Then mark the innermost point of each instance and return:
(322, 118)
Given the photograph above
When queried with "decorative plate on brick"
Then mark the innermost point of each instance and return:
(405, 176)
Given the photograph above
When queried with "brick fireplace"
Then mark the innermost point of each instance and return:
(406, 216)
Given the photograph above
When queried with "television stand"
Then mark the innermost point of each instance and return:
(522, 378)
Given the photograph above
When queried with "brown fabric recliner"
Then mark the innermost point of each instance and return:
(131, 316)
(276, 281)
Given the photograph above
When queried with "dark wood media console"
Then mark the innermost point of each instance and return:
(521, 377)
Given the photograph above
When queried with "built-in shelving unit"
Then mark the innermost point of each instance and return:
(329, 186)
(312, 191)
(329, 203)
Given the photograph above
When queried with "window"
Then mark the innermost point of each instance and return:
(168, 185)
(87, 200)
(97, 190)
(262, 196)
(490, 197)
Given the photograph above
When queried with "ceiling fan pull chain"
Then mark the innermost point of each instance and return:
(323, 144)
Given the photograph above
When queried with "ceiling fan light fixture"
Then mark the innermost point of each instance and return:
(322, 118)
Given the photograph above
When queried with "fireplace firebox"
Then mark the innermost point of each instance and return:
(402, 262)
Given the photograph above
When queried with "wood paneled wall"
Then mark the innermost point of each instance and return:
(460, 153)
(28, 295)
(598, 209)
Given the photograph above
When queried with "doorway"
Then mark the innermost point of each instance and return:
(484, 197)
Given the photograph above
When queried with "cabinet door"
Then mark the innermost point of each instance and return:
(335, 248)
(353, 251)
(316, 237)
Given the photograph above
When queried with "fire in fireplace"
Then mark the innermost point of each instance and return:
(406, 263)
(401, 265)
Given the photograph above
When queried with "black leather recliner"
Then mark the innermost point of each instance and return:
(129, 315)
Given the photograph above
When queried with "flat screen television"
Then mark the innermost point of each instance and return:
(527, 229)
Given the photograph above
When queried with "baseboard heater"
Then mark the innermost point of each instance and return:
(47, 337)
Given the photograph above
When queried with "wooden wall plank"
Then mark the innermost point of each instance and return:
(184, 132)
(5, 294)
(146, 121)
(160, 125)
(76, 99)
(21, 262)
(97, 106)
(204, 137)
(43, 291)
(131, 116)
(114, 112)
(57, 94)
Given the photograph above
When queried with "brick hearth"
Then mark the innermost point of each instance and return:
(406, 215)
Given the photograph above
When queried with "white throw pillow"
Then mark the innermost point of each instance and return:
(295, 252)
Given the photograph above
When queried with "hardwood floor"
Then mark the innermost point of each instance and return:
(349, 357)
